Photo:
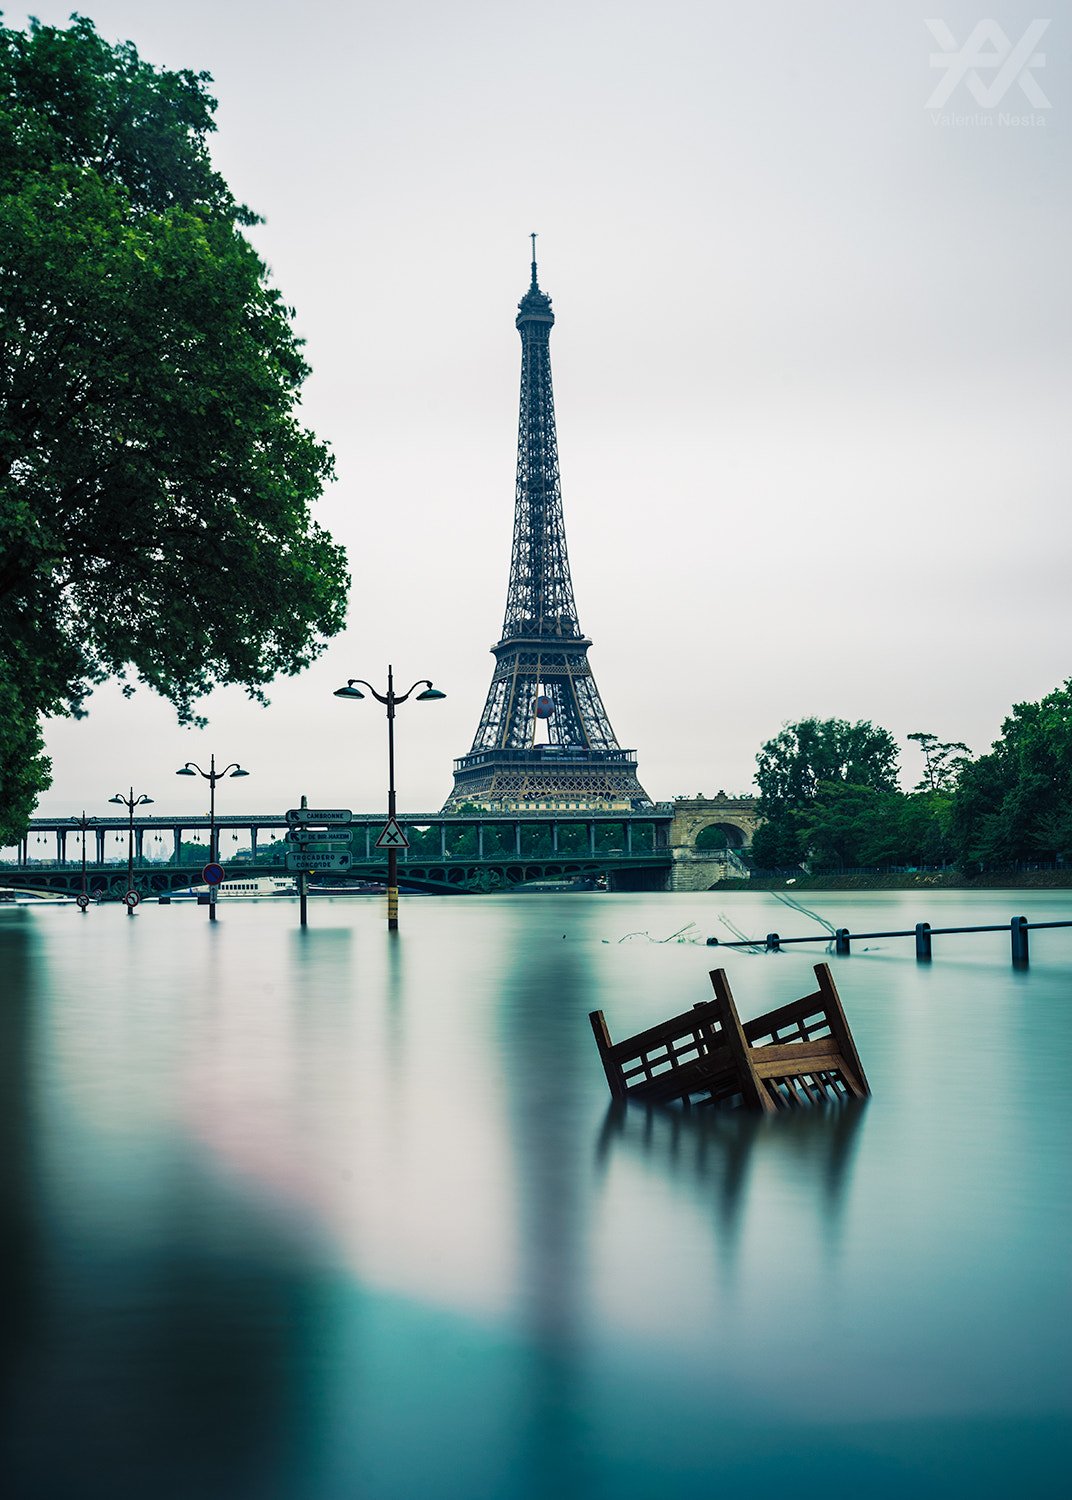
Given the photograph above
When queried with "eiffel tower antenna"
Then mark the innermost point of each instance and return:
(542, 673)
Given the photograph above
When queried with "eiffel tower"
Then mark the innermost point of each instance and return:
(544, 741)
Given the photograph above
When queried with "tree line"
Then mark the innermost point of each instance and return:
(829, 795)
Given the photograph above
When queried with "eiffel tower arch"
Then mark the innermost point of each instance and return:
(544, 741)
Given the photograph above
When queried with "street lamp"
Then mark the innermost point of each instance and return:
(130, 803)
(392, 700)
(83, 823)
(191, 768)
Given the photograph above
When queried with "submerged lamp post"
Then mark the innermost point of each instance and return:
(391, 700)
(83, 823)
(191, 768)
(130, 803)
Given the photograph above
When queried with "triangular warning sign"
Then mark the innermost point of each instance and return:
(392, 837)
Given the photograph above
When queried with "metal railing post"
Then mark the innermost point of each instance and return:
(1018, 927)
(841, 941)
(923, 940)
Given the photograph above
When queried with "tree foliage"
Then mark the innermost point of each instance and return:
(1016, 802)
(801, 760)
(155, 487)
(943, 762)
(1011, 805)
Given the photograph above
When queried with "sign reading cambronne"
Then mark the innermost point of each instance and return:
(319, 815)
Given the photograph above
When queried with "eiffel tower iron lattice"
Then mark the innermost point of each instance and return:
(542, 676)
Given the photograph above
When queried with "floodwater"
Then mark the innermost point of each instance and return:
(329, 1215)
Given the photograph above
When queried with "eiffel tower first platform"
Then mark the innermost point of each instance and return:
(544, 742)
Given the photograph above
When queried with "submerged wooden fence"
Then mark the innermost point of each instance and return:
(923, 932)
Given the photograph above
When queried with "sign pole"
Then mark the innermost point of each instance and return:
(303, 882)
(213, 857)
(392, 853)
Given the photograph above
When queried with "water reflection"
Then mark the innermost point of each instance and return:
(142, 1352)
(716, 1153)
(545, 1057)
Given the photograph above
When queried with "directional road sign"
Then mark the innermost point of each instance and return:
(212, 874)
(318, 835)
(392, 837)
(307, 861)
(319, 815)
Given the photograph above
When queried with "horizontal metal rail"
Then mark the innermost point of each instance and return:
(842, 938)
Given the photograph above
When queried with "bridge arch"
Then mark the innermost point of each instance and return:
(720, 835)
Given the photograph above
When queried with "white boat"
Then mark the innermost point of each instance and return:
(246, 888)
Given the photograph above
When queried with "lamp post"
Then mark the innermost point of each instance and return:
(391, 700)
(191, 768)
(130, 803)
(83, 823)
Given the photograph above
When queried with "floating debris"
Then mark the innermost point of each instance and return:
(800, 1054)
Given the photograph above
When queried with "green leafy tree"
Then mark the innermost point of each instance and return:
(155, 487)
(803, 757)
(943, 763)
(1016, 802)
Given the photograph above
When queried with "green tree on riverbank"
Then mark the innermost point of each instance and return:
(1016, 802)
(1013, 804)
(805, 769)
(155, 487)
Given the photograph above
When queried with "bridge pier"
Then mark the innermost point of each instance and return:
(139, 844)
(176, 841)
(253, 844)
(100, 845)
(61, 846)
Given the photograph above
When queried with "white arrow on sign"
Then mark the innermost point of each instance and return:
(392, 837)
(319, 815)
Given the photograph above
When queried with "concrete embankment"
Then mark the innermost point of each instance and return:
(949, 880)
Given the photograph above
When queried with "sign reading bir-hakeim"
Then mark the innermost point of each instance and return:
(544, 742)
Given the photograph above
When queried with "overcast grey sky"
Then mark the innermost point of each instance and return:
(810, 367)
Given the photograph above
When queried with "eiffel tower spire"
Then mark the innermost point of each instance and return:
(544, 738)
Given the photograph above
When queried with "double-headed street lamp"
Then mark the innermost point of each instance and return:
(83, 823)
(130, 803)
(392, 700)
(191, 768)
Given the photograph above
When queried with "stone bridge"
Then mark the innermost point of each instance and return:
(733, 816)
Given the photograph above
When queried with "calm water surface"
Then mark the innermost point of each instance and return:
(325, 1215)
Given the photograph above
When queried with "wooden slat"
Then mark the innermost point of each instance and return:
(699, 1021)
(797, 1057)
(840, 1026)
(752, 1093)
(610, 1067)
(785, 1015)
